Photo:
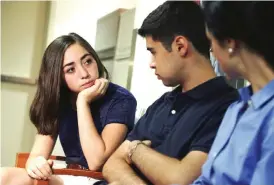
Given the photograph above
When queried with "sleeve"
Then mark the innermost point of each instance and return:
(206, 134)
(138, 131)
(122, 110)
(141, 127)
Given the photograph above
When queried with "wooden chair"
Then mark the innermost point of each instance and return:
(21, 159)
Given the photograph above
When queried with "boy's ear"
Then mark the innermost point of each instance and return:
(181, 45)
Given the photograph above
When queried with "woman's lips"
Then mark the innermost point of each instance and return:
(88, 84)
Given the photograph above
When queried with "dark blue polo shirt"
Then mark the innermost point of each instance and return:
(178, 123)
(117, 106)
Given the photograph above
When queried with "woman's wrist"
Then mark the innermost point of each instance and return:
(81, 102)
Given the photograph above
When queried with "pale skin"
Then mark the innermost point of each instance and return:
(242, 62)
(81, 76)
(176, 67)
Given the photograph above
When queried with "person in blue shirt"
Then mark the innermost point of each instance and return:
(75, 101)
(242, 37)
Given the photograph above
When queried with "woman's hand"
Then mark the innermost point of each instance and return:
(94, 92)
(39, 168)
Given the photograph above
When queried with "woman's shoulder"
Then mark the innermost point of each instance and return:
(116, 91)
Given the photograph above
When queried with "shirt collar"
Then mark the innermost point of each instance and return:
(259, 98)
(209, 88)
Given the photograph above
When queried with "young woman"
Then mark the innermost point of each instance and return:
(242, 37)
(74, 101)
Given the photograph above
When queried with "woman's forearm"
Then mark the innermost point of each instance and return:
(92, 144)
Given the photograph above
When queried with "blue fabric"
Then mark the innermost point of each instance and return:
(198, 114)
(243, 151)
(117, 106)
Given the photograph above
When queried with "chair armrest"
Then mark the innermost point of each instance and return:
(41, 182)
(21, 159)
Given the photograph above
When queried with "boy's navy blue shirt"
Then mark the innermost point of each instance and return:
(178, 123)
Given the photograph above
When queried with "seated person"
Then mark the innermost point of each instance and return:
(242, 37)
(75, 101)
(169, 144)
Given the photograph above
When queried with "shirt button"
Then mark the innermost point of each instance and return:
(173, 112)
(214, 154)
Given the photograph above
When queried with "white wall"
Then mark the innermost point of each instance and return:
(144, 85)
(124, 51)
(17, 132)
(81, 16)
(22, 28)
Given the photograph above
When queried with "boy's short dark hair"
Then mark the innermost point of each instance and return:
(174, 18)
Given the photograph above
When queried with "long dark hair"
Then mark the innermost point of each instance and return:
(52, 93)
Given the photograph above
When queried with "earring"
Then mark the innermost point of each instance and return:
(230, 50)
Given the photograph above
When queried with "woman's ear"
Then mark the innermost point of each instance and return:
(181, 45)
(231, 46)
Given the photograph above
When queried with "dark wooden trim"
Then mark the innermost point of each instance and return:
(21, 159)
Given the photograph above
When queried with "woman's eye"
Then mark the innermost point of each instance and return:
(89, 61)
(70, 70)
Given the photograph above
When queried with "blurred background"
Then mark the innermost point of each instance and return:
(110, 26)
